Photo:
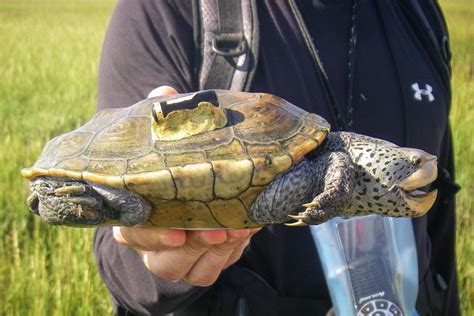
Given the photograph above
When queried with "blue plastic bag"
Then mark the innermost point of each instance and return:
(370, 264)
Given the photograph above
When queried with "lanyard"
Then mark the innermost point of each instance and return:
(341, 121)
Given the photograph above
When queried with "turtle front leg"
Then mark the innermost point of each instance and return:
(132, 209)
(334, 188)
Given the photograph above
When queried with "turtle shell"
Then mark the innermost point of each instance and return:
(207, 180)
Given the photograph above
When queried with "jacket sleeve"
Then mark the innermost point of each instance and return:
(132, 286)
(148, 44)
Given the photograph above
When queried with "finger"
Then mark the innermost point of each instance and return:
(208, 267)
(149, 238)
(174, 263)
(238, 250)
(162, 90)
(237, 235)
(236, 253)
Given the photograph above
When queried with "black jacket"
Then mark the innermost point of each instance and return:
(150, 43)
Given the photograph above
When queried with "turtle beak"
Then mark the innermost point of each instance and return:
(418, 200)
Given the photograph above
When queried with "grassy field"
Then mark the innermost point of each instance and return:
(49, 57)
(460, 15)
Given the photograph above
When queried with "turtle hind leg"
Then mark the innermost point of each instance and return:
(61, 201)
(131, 208)
(337, 188)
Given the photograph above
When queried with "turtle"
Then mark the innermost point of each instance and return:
(221, 159)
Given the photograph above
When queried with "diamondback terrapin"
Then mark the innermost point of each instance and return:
(222, 159)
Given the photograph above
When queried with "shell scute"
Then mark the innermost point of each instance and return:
(147, 163)
(104, 118)
(231, 213)
(194, 182)
(299, 146)
(267, 168)
(114, 167)
(265, 122)
(67, 145)
(235, 150)
(74, 164)
(127, 138)
(282, 104)
(173, 160)
(231, 177)
(316, 120)
(205, 141)
(183, 214)
(158, 184)
(232, 98)
(265, 150)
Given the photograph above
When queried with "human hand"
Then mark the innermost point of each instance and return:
(197, 256)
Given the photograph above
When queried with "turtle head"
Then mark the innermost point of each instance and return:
(394, 181)
(413, 188)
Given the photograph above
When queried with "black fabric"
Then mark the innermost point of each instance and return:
(150, 43)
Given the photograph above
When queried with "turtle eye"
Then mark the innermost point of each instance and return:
(416, 160)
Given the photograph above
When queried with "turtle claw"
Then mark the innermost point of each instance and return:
(299, 217)
(300, 220)
(70, 189)
(82, 200)
(295, 224)
(311, 205)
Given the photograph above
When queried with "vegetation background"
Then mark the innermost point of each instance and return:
(48, 68)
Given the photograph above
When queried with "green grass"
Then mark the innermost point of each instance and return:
(49, 57)
(460, 16)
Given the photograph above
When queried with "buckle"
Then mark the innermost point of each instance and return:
(229, 45)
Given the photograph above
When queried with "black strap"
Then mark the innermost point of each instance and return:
(226, 34)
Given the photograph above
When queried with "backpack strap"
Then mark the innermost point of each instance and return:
(227, 39)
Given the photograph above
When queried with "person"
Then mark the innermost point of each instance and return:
(398, 93)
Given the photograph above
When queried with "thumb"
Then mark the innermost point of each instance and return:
(162, 90)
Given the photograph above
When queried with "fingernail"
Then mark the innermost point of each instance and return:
(146, 261)
(160, 91)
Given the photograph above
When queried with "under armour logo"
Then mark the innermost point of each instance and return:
(419, 93)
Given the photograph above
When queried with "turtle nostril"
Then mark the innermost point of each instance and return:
(33, 202)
